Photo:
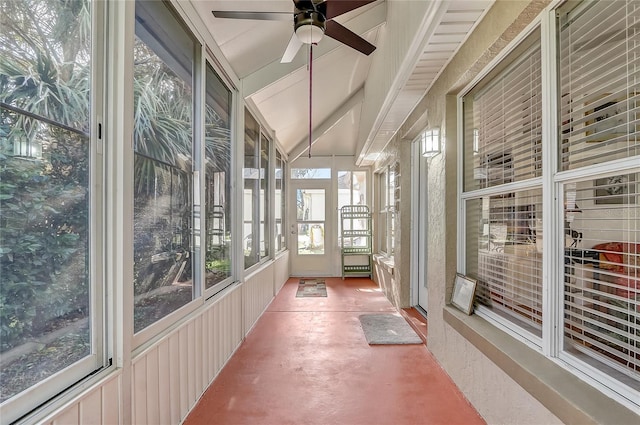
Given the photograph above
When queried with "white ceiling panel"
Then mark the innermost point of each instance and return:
(280, 92)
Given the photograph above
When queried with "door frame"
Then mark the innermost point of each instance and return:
(419, 228)
(316, 264)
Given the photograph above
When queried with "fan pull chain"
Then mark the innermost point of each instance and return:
(310, 92)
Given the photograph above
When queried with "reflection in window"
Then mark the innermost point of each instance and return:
(163, 183)
(45, 293)
(602, 272)
(218, 180)
(251, 180)
(310, 215)
(311, 173)
(280, 241)
(264, 196)
(503, 122)
(352, 190)
(504, 252)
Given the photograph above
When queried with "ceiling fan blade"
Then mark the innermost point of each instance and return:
(260, 16)
(292, 49)
(348, 37)
(332, 8)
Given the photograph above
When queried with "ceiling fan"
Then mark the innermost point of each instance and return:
(311, 20)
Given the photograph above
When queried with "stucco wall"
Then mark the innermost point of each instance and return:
(496, 396)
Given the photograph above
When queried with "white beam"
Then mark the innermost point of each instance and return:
(271, 73)
(302, 146)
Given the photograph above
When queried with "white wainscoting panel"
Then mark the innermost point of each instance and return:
(98, 405)
(169, 377)
(281, 272)
(257, 293)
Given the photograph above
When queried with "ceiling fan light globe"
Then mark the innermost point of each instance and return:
(309, 34)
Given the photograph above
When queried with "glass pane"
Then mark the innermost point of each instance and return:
(44, 254)
(264, 197)
(310, 238)
(218, 180)
(503, 121)
(279, 202)
(310, 204)
(359, 188)
(311, 173)
(598, 81)
(251, 190)
(163, 130)
(45, 290)
(602, 273)
(504, 252)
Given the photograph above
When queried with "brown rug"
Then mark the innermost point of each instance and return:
(311, 288)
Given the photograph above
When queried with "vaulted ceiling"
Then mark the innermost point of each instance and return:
(359, 102)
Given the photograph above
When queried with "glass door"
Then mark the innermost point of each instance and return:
(311, 232)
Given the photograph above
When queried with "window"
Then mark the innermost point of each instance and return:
(389, 200)
(599, 104)
(251, 197)
(264, 197)
(164, 55)
(256, 216)
(218, 180)
(48, 234)
(279, 198)
(588, 181)
(502, 133)
(352, 190)
(311, 173)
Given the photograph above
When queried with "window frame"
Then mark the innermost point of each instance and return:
(266, 205)
(387, 208)
(280, 164)
(100, 350)
(552, 184)
(197, 137)
(210, 63)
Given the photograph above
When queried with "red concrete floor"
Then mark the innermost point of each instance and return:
(307, 361)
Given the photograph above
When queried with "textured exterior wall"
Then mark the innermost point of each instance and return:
(496, 396)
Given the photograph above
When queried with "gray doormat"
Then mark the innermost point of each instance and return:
(311, 288)
(382, 329)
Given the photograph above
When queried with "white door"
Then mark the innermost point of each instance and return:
(311, 228)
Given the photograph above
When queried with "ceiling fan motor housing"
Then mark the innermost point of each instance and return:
(309, 26)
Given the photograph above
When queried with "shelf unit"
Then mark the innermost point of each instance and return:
(355, 240)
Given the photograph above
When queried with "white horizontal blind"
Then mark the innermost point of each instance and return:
(599, 66)
(503, 123)
(502, 145)
(509, 262)
(602, 273)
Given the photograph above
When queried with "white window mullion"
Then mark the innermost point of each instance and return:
(551, 291)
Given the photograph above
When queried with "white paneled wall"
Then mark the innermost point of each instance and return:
(281, 270)
(98, 405)
(257, 292)
(168, 378)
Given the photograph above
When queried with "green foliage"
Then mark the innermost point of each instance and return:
(42, 262)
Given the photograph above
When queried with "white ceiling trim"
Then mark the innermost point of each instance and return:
(445, 29)
(302, 146)
(373, 140)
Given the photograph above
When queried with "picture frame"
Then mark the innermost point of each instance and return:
(464, 290)
(618, 189)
